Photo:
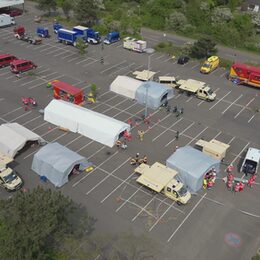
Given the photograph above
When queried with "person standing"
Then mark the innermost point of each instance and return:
(141, 135)
(177, 135)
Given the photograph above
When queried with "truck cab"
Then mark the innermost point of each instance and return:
(9, 179)
(206, 93)
(112, 37)
(177, 192)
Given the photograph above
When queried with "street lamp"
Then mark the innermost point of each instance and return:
(102, 52)
(146, 89)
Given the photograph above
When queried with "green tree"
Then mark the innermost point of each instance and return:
(82, 46)
(47, 5)
(203, 48)
(66, 6)
(34, 224)
(86, 11)
(176, 21)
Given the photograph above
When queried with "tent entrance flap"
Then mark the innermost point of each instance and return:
(164, 98)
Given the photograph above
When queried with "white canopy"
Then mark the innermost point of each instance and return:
(125, 86)
(7, 3)
(13, 137)
(96, 126)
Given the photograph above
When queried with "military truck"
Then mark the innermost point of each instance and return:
(213, 148)
(161, 179)
(8, 177)
(195, 87)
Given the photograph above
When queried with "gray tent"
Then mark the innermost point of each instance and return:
(192, 165)
(56, 161)
(155, 93)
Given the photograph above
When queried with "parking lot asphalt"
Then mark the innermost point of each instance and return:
(216, 224)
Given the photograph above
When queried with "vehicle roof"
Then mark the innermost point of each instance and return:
(5, 172)
(66, 87)
(157, 176)
(253, 154)
(167, 78)
(5, 55)
(4, 159)
(247, 67)
(144, 75)
(213, 145)
(80, 27)
(66, 30)
(19, 61)
(191, 84)
(212, 58)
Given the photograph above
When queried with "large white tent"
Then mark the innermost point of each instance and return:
(96, 126)
(8, 3)
(14, 136)
(125, 86)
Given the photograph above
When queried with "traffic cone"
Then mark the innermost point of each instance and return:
(49, 128)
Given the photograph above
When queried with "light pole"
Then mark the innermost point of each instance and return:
(146, 89)
(102, 53)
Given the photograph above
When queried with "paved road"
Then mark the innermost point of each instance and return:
(225, 52)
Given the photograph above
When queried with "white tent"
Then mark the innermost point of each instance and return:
(125, 86)
(96, 126)
(56, 162)
(13, 137)
(7, 3)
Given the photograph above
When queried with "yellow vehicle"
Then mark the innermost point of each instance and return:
(209, 65)
(213, 148)
(160, 178)
(197, 88)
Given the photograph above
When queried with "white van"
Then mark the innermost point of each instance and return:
(251, 161)
(6, 20)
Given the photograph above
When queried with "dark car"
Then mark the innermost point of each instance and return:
(183, 59)
(11, 12)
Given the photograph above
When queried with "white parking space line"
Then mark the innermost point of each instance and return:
(238, 155)
(10, 112)
(122, 205)
(50, 47)
(54, 51)
(138, 67)
(113, 66)
(82, 61)
(96, 167)
(176, 230)
(73, 59)
(119, 46)
(45, 123)
(5, 73)
(244, 107)
(90, 63)
(232, 139)
(108, 175)
(75, 139)
(59, 54)
(222, 75)
(3, 120)
(189, 99)
(196, 65)
(159, 219)
(180, 133)
(167, 129)
(88, 86)
(219, 100)
(195, 138)
(217, 69)
(223, 112)
(1, 99)
(157, 58)
(167, 59)
(45, 82)
(31, 120)
(250, 119)
(126, 67)
(115, 189)
(39, 47)
(64, 57)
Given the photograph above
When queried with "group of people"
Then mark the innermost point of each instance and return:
(137, 160)
(209, 179)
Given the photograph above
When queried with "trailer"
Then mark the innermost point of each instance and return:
(144, 75)
(197, 88)
(134, 45)
(6, 20)
(88, 34)
(161, 179)
(67, 36)
(112, 37)
(213, 148)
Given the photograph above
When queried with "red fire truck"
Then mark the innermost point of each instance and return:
(67, 92)
(245, 74)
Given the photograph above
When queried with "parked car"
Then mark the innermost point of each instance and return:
(6, 59)
(19, 66)
(183, 59)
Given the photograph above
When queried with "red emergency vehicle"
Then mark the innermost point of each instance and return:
(67, 92)
(19, 66)
(6, 59)
(245, 74)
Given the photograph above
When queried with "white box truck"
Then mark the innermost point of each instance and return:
(134, 45)
(6, 20)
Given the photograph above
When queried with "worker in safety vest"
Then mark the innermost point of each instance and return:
(91, 98)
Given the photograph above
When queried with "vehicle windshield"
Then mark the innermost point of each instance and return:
(182, 191)
(10, 177)
(206, 65)
(210, 92)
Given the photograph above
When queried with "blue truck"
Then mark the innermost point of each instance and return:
(42, 32)
(88, 34)
(67, 36)
(56, 27)
(112, 37)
